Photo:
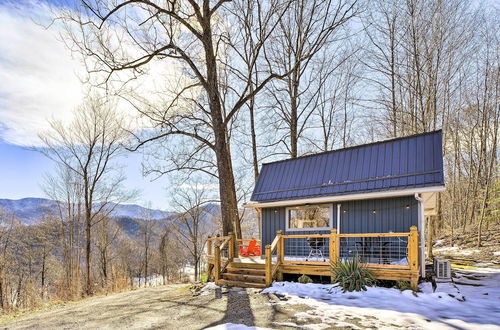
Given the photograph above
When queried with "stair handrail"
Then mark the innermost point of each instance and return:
(219, 245)
(270, 270)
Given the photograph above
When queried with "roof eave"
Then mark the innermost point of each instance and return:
(339, 198)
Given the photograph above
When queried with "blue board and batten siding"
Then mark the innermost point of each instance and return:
(403, 163)
(396, 215)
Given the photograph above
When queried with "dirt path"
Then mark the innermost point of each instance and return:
(166, 307)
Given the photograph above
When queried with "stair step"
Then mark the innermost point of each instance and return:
(246, 271)
(242, 284)
(250, 265)
(244, 278)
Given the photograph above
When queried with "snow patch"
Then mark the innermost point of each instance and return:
(470, 303)
(210, 286)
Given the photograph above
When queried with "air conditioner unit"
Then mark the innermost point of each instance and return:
(442, 270)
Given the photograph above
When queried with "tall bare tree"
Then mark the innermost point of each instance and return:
(64, 187)
(87, 147)
(194, 222)
(195, 39)
(305, 31)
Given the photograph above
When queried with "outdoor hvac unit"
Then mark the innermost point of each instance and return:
(442, 269)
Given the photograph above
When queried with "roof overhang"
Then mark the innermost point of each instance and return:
(339, 198)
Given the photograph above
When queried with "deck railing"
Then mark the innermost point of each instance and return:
(220, 263)
(389, 255)
(378, 251)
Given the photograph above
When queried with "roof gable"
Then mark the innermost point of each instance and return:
(409, 162)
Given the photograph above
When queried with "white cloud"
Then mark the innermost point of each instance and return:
(38, 77)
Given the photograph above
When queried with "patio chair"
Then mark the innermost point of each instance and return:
(251, 250)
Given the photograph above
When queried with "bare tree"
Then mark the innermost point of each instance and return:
(147, 231)
(65, 189)
(87, 147)
(193, 224)
(106, 233)
(308, 28)
(7, 225)
(200, 105)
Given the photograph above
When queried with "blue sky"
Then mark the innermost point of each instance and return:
(22, 171)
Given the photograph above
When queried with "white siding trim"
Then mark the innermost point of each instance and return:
(338, 218)
(327, 199)
(421, 229)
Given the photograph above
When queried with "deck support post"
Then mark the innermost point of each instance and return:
(334, 251)
(413, 255)
(280, 255)
(217, 264)
(269, 266)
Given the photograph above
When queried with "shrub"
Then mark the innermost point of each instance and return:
(351, 275)
(304, 279)
(403, 285)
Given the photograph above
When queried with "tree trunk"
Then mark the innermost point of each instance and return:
(88, 289)
(430, 228)
(43, 273)
(254, 136)
(229, 203)
(293, 127)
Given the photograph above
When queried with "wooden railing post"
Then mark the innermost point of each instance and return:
(232, 243)
(280, 255)
(334, 245)
(269, 266)
(413, 257)
(217, 264)
(209, 246)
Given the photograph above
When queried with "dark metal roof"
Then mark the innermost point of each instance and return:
(401, 163)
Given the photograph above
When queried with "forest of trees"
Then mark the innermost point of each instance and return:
(238, 83)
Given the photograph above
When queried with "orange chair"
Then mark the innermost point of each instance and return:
(251, 250)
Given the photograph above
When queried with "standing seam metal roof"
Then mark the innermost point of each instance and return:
(401, 163)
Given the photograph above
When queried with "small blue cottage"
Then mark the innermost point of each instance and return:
(384, 187)
(368, 202)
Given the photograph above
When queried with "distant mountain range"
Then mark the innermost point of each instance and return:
(29, 210)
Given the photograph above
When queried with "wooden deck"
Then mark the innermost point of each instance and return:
(235, 270)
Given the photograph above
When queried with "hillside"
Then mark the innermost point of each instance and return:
(29, 210)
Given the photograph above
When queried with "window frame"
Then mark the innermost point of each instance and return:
(287, 217)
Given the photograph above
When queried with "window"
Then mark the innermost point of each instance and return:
(311, 217)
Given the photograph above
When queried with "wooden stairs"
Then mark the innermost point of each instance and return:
(245, 275)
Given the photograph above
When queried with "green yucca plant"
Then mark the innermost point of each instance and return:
(351, 275)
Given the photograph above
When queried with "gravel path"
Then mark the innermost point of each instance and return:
(166, 307)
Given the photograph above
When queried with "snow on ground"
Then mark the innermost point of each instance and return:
(456, 250)
(153, 280)
(471, 302)
(232, 326)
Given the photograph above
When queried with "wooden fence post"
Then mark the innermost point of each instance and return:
(280, 253)
(413, 257)
(334, 251)
(217, 263)
(281, 250)
(269, 266)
